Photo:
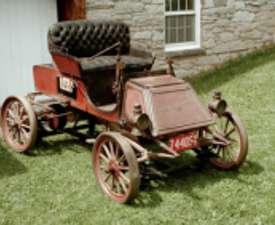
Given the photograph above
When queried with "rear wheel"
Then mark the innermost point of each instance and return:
(231, 156)
(116, 167)
(19, 124)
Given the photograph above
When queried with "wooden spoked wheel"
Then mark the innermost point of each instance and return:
(116, 167)
(19, 124)
(230, 128)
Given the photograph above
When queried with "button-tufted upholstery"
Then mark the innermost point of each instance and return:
(84, 38)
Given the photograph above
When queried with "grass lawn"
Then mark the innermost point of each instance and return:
(55, 184)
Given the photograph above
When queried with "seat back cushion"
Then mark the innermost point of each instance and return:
(85, 38)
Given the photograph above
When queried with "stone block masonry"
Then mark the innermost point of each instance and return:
(228, 28)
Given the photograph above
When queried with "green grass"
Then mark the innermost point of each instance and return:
(55, 184)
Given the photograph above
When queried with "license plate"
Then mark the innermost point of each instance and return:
(185, 141)
(66, 84)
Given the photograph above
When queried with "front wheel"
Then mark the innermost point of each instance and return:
(230, 156)
(115, 166)
(19, 123)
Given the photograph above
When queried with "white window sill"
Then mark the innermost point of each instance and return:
(183, 50)
(181, 47)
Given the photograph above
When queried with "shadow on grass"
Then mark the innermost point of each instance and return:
(184, 179)
(210, 80)
(183, 174)
(53, 147)
(9, 165)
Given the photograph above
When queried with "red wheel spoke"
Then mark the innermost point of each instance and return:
(216, 127)
(21, 138)
(226, 154)
(11, 128)
(16, 108)
(117, 187)
(26, 126)
(232, 140)
(18, 137)
(111, 147)
(122, 184)
(122, 175)
(24, 135)
(230, 132)
(104, 158)
(107, 177)
(218, 133)
(218, 150)
(122, 158)
(10, 120)
(124, 168)
(230, 153)
(102, 167)
(106, 150)
(21, 111)
(14, 133)
(24, 118)
(11, 113)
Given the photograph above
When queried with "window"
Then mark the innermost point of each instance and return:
(182, 24)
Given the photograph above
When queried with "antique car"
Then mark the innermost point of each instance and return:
(98, 79)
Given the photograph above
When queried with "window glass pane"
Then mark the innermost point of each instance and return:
(183, 4)
(180, 29)
(171, 29)
(174, 5)
(167, 30)
(190, 4)
(167, 5)
(190, 28)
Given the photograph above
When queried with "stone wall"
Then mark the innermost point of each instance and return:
(228, 28)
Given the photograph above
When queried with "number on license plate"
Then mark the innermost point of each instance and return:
(66, 84)
(185, 141)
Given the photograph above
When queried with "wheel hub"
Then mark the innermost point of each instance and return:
(17, 120)
(17, 123)
(113, 167)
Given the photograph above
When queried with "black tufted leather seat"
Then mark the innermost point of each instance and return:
(101, 63)
(83, 38)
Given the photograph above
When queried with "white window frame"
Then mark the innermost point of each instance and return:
(186, 45)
